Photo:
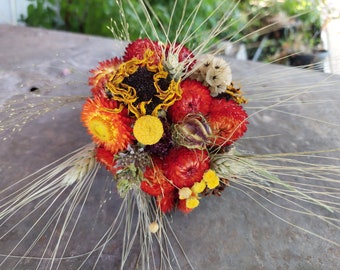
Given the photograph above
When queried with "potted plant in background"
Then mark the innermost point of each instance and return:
(289, 33)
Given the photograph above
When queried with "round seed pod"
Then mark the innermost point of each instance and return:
(193, 132)
(153, 227)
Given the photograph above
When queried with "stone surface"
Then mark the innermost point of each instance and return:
(227, 232)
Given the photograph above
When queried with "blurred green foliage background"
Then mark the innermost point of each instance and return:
(246, 17)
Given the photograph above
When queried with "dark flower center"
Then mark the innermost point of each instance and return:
(143, 82)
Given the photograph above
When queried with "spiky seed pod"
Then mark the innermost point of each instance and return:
(133, 156)
(193, 132)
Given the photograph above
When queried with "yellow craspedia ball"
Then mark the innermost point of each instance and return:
(211, 178)
(148, 129)
(192, 202)
(199, 187)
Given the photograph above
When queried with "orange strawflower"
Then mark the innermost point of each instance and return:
(108, 124)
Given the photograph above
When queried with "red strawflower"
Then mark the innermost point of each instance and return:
(184, 167)
(166, 202)
(227, 120)
(155, 182)
(102, 74)
(195, 99)
(107, 159)
(137, 48)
